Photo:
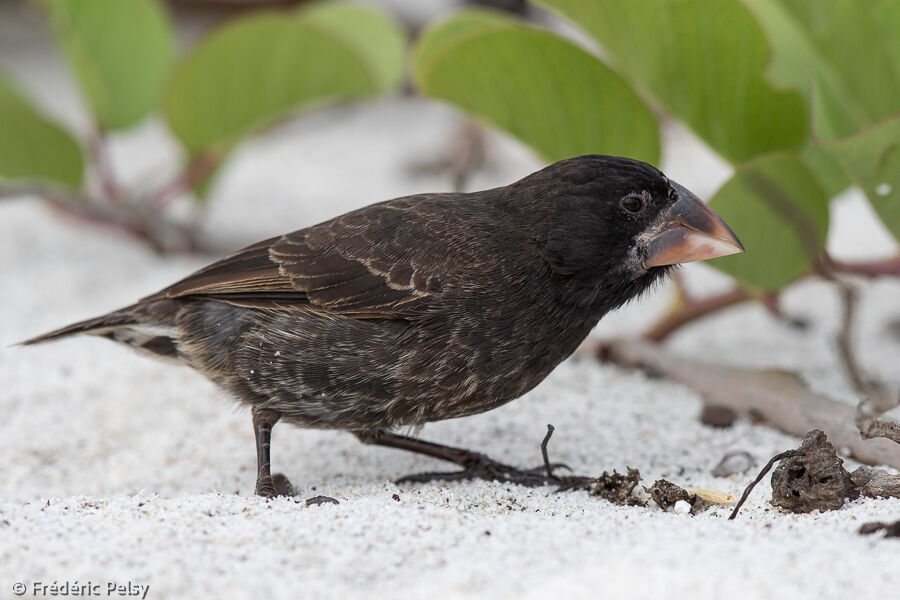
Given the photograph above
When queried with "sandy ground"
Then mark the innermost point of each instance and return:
(117, 469)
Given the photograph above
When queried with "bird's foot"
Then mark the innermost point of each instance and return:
(276, 485)
(317, 500)
(280, 486)
(479, 466)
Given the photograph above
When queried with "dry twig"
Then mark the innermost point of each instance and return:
(112, 206)
(103, 168)
(688, 309)
(194, 174)
(154, 229)
(875, 398)
(886, 267)
(813, 477)
(753, 484)
(691, 310)
(466, 156)
(776, 397)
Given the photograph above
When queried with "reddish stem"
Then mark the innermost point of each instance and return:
(87, 214)
(198, 170)
(160, 234)
(886, 267)
(693, 310)
(100, 157)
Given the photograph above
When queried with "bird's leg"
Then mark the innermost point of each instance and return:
(267, 486)
(474, 464)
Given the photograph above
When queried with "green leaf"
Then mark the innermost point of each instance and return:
(545, 91)
(829, 172)
(843, 54)
(377, 39)
(446, 33)
(258, 69)
(780, 213)
(873, 160)
(120, 52)
(704, 61)
(33, 148)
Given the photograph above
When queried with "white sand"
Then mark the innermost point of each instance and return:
(119, 469)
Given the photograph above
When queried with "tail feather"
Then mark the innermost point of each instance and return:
(96, 326)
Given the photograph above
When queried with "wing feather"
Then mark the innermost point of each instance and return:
(361, 265)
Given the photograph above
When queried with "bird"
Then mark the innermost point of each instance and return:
(422, 308)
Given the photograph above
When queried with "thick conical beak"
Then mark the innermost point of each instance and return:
(688, 231)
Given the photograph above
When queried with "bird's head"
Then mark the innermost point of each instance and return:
(614, 225)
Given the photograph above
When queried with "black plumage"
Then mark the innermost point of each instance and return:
(425, 307)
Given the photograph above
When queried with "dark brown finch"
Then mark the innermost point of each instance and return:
(422, 308)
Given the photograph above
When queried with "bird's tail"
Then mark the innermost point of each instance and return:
(101, 325)
(148, 328)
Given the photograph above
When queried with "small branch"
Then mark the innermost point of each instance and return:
(876, 427)
(470, 157)
(813, 477)
(696, 309)
(874, 399)
(465, 157)
(160, 234)
(765, 469)
(876, 483)
(844, 338)
(776, 397)
(772, 302)
(197, 170)
(548, 468)
(693, 310)
(887, 267)
(102, 166)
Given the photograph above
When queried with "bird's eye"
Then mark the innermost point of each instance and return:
(633, 204)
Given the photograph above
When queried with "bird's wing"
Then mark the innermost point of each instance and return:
(365, 264)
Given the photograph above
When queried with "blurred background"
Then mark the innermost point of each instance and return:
(155, 119)
(195, 127)
(140, 139)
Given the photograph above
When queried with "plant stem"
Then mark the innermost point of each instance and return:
(107, 179)
(197, 170)
(886, 267)
(160, 234)
(694, 309)
(689, 309)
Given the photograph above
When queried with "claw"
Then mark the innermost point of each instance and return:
(475, 465)
(552, 467)
(317, 500)
(265, 488)
(276, 485)
(433, 476)
(482, 467)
